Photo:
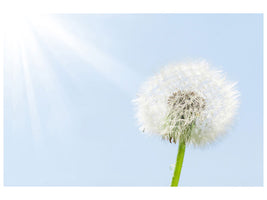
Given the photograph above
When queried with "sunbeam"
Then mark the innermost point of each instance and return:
(122, 76)
(28, 66)
(18, 40)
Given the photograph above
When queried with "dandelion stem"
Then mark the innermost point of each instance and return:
(179, 164)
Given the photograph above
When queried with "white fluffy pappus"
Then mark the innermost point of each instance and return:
(188, 101)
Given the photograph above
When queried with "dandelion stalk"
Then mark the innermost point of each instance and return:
(179, 164)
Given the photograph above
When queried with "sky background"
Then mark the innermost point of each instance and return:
(69, 82)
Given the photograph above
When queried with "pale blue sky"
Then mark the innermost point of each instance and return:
(68, 115)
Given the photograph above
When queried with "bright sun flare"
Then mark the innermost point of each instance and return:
(26, 62)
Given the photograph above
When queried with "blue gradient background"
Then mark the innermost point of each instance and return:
(86, 131)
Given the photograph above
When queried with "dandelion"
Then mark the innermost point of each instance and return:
(189, 103)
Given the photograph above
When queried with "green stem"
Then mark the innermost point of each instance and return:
(179, 163)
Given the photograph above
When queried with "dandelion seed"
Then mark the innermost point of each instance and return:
(171, 167)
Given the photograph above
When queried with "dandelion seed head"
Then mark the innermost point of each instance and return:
(187, 101)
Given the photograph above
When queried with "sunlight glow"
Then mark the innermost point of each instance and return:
(18, 37)
(26, 62)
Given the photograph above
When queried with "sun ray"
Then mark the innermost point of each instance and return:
(27, 62)
(34, 116)
(122, 76)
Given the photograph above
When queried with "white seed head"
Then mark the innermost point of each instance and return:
(189, 102)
